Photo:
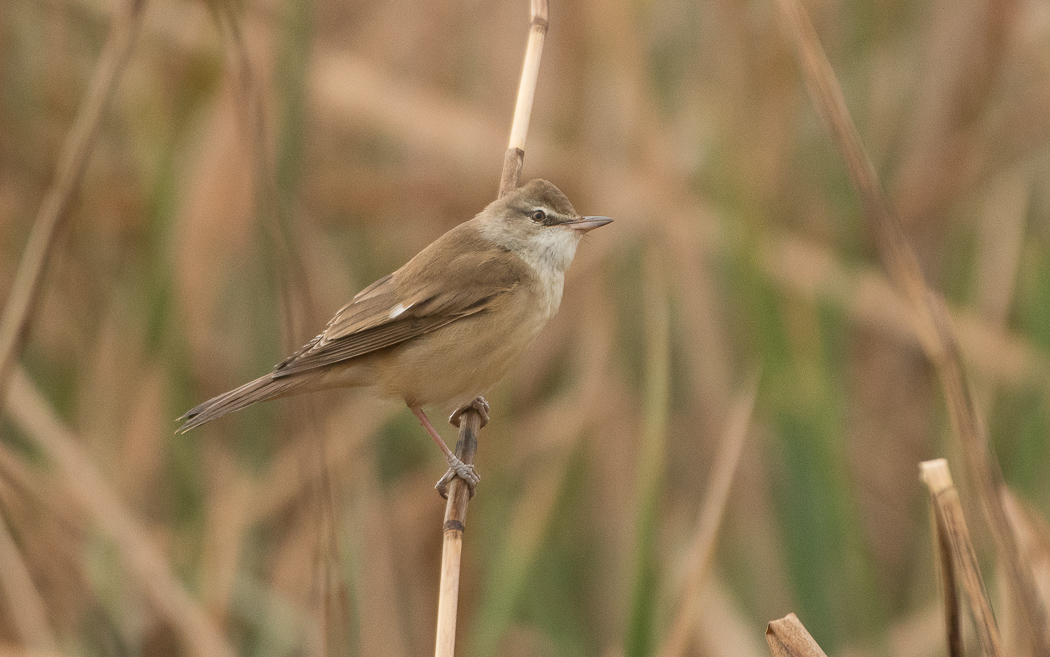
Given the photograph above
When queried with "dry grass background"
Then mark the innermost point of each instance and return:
(262, 161)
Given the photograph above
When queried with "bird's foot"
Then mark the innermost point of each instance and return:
(479, 404)
(457, 468)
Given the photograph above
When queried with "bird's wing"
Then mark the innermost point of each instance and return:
(427, 293)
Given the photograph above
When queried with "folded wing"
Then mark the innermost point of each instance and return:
(429, 292)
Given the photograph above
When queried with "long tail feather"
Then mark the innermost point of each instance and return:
(261, 389)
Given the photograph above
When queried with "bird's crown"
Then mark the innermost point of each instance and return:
(541, 194)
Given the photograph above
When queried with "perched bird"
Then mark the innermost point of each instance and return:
(444, 328)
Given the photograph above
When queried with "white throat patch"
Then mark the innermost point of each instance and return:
(550, 251)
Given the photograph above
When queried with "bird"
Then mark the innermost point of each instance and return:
(444, 328)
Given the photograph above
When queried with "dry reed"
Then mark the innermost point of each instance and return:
(958, 562)
(452, 545)
(788, 637)
(932, 321)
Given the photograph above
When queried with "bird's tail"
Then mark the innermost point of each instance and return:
(261, 389)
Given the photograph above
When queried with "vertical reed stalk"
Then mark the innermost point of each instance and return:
(530, 72)
(452, 547)
(470, 419)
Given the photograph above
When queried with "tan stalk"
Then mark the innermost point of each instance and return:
(530, 72)
(470, 420)
(949, 587)
(951, 529)
(452, 546)
(788, 637)
(23, 299)
(931, 317)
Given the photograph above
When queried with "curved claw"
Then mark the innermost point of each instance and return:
(478, 404)
(458, 469)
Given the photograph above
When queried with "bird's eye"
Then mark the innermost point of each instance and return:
(538, 215)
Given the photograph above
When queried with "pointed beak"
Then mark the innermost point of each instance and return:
(584, 224)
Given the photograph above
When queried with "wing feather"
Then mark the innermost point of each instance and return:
(429, 292)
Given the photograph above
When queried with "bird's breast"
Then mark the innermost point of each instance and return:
(464, 359)
(549, 295)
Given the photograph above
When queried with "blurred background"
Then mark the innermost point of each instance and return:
(262, 161)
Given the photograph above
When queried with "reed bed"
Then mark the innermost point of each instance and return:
(259, 162)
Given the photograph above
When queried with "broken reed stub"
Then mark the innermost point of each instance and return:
(936, 475)
(788, 637)
(963, 565)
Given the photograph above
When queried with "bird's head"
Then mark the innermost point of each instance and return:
(539, 224)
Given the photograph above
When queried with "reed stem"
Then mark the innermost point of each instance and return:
(470, 419)
(452, 548)
(530, 71)
(959, 561)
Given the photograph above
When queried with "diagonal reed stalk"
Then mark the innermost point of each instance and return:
(959, 562)
(54, 210)
(470, 420)
(701, 554)
(26, 605)
(932, 321)
(31, 412)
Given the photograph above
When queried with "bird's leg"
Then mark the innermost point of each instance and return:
(456, 467)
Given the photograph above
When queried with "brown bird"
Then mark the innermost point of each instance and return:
(447, 326)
